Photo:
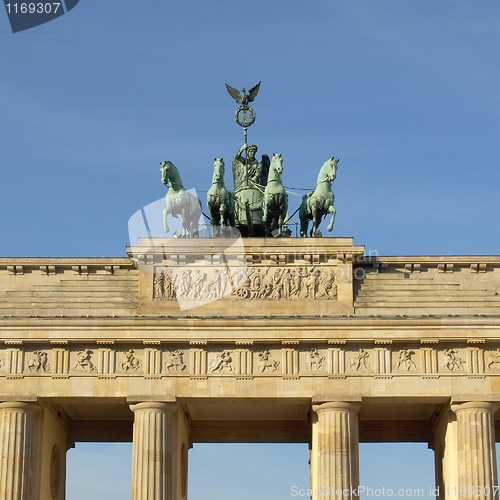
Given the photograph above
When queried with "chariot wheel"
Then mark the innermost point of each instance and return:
(243, 293)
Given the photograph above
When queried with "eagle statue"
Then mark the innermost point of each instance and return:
(243, 98)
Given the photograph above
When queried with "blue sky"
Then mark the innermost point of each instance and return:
(406, 94)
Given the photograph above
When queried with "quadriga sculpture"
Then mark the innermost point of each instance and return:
(179, 201)
(220, 201)
(275, 204)
(320, 202)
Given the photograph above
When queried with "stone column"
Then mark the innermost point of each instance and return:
(335, 445)
(151, 455)
(16, 450)
(477, 464)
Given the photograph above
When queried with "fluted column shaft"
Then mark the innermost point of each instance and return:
(16, 450)
(151, 459)
(337, 451)
(477, 464)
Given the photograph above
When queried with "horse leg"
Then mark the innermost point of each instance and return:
(193, 215)
(165, 224)
(222, 210)
(194, 229)
(265, 207)
(212, 211)
(315, 221)
(185, 223)
(267, 228)
(304, 222)
(283, 214)
(331, 210)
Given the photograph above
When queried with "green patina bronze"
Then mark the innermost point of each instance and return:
(320, 202)
(220, 202)
(275, 205)
(250, 179)
(179, 201)
(259, 204)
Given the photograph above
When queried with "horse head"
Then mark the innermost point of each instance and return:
(170, 176)
(276, 167)
(328, 171)
(219, 169)
(166, 170)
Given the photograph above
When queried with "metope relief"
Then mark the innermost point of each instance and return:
(223, 362)
(405, 360)
(283, 283)
(493, 358)
(175, 361)
(452, 360)
(266, 364)
(83, 361)
(130, 362)
(314, 361)
(38, 362)
(360, 361)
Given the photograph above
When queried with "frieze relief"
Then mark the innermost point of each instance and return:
(257, 283)
(222, 362)
(288, 360)
(360, 361)
(314, 361)
(405, 360)
(83, 361)
(175, 361)
(452, 360)
(130, 363)
(38, 362)
(493, 360)
(267, 363)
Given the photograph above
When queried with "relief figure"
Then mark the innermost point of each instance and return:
(83, 360)
(176, 361)
(39, 362)
(360, 361)
(405, 359)
(130, 362)
(313, 360)
(222, 360)
(266, 364)
(452, 360)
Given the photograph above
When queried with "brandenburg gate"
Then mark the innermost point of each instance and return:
(279, 340)
(262, 339)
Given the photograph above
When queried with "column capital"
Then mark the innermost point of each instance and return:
(336, 406)
(475, 406)
(17, 405)
(155, 406)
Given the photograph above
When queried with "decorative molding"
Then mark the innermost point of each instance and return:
(259, 282)
(288, 358)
